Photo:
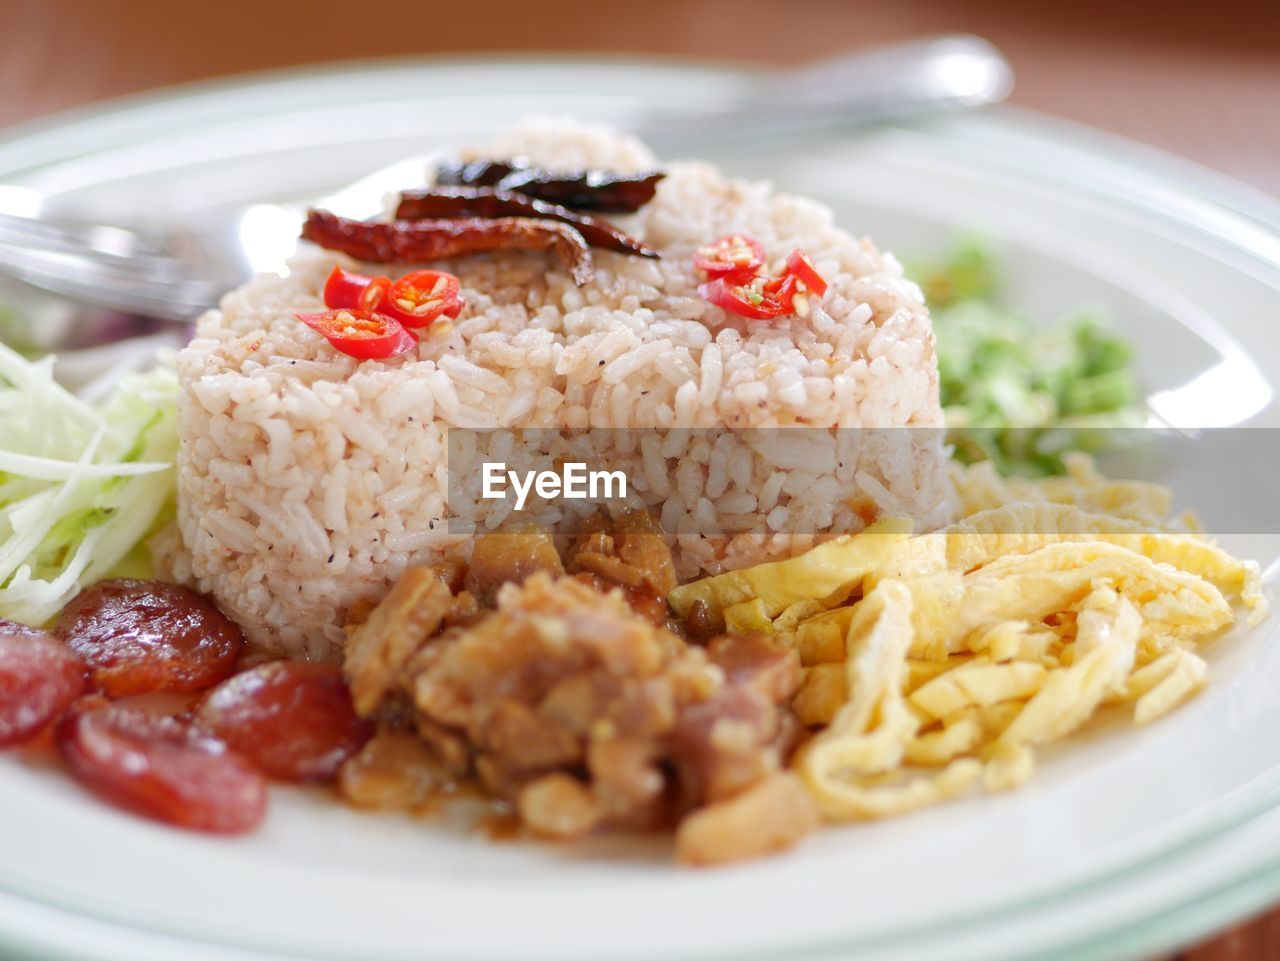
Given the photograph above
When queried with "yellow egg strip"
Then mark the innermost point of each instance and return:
(827, 573)
(971, 646)
(1106, 645)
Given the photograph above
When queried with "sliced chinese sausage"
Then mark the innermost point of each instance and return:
(143, 636)
(39, 679)
(162, 768)
(293, 719)
(14, 629)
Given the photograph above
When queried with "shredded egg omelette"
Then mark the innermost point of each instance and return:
(936, 665)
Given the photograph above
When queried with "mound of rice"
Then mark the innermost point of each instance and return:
(308, 480)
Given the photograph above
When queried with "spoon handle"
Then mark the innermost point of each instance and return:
(937, 75)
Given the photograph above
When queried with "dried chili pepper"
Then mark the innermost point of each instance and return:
(475, 173)
(416, 241)
(493, 202)
(600, 190)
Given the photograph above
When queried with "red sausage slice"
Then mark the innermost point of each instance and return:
(39, 679)
(293, 719)
(142, 636)
(162, 768)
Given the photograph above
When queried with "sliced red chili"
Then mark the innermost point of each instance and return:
(362, 334)
(344, 288)
(423, 296)
(801, 267)
(760, 298)
(734, 256)
(373, 296)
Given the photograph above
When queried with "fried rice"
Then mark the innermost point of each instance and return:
(309, 481)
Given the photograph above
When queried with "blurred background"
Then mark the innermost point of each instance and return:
(1200, 79)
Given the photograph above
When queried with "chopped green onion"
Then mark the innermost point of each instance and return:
(1018, 394)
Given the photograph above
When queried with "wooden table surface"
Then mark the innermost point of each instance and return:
(1201, 80)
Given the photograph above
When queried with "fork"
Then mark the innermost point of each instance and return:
(175, 273)
(165, 273)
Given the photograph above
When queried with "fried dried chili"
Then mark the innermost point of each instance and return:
(416, 241)
(599, 190)
(495, 202)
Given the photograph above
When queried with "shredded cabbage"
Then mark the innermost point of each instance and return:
(81, 484)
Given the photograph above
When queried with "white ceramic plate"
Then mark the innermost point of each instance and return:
(1125, 842)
